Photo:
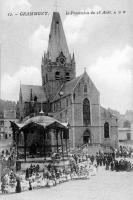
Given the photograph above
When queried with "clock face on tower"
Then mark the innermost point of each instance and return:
(61, 59)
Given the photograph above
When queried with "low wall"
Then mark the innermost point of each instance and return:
(24, 165)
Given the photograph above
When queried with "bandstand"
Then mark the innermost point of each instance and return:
(39, 137)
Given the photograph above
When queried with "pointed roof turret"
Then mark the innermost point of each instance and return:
(57, 39)
(84, 70)
(31, 96)
(44, 54)
(73, 57)
(43, 58)
(20, 94)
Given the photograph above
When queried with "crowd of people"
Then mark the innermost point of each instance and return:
(122, 165)
(81, 166)
(110, 161)
(9, 156)
(33, 169)
(124, 151)
(6, 180)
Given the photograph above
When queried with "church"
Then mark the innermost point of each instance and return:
(67, 98)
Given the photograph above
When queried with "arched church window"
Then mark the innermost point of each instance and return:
(60, 104)
(106, 130)
(128, 136)
(74, 96)
(54, 107)
(46, 77)
(60, 116)
(67, 102)
(85, 88)
(86, 112)
(35, 98)
(57, 75)
(44, 80)
(67, 76)
(66, 113)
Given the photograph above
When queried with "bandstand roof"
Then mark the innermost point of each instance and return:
(42, 121)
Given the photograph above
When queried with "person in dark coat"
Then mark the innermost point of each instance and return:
(104, 160)
(30, 186)
(112, 166)
(27, 173)
(37, 168)
(116, 165)
(92, 159)
(107, 164)
(18, 186)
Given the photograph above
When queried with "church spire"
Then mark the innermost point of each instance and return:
(21, 113)
(57, 39)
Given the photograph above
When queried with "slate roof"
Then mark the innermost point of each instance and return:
(67, 88)
(36, 91)
(44, 121)
(105, 113)
(40, 119)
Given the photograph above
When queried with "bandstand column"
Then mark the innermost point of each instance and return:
(61, 135)
(25, 146)
(17, 139)
(57, 144)
(66, 139)
(40, 146)
(44, 133)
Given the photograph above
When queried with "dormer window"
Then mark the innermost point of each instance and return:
(57, 75)
(67, 76)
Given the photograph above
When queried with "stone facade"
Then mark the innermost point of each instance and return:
(1, 126)
(9, 114)
(68, 98)
(112, 140)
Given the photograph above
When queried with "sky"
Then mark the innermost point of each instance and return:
(102, 43)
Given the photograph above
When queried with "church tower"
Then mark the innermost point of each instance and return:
(58, 66)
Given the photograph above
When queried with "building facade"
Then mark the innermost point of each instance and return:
(1, 126)
(66, 97)
(5, 118)
(125, 133)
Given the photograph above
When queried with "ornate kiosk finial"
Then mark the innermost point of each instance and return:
(41, 112)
